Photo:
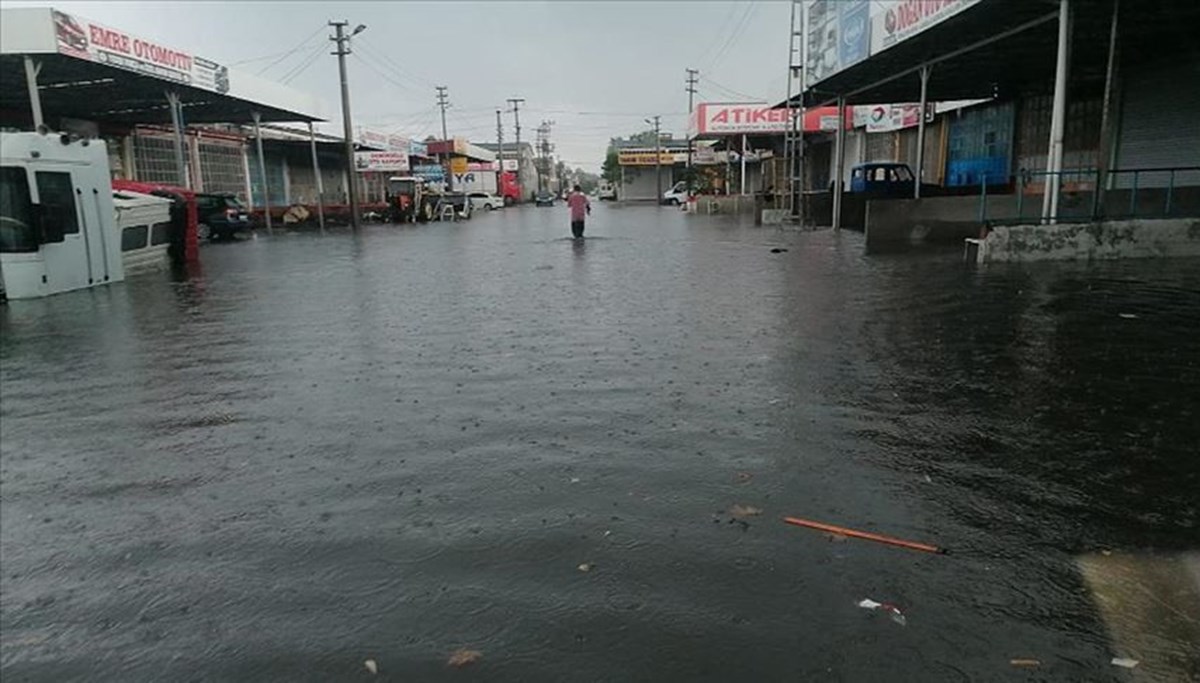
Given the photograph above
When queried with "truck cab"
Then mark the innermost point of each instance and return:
(58, 228)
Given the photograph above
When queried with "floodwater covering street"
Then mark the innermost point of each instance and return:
(573, 460)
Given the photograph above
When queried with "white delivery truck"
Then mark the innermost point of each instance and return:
(58, 228)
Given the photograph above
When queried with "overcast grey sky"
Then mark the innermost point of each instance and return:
(597, 69)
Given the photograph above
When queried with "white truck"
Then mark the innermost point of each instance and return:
(607, 191)
(58, 227)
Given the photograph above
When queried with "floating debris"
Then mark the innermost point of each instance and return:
(371, 666)
(585, 567)
(866, 535)
(892, 610)
(1125, 662)
(745, 511)
(462, 657)
(1025, 662)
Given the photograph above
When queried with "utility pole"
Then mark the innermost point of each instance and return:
(343, 49)
(516, 103)
(443, 101)
(657, 157)
(500, 155)
(691, 91)
(794, 139)
(545, 148)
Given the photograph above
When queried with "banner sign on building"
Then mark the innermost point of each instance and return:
(370, 162)
(882, 118)
(417, 149)
(898, 20)
(84, 39)
(458, 165)
(842, 33)
(430, 172)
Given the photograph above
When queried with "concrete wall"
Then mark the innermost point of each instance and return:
(896, 222)
(1138, 238)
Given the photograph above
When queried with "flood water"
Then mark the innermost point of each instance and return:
(328, 449)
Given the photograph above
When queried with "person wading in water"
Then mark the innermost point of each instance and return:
(580, 207)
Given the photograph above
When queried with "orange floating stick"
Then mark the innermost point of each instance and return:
(911, 545)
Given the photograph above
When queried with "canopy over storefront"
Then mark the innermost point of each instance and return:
(872, 53)
(89, 71)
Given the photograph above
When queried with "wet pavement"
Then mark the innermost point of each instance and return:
(328, 449)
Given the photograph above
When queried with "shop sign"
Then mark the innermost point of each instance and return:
(645, 158)
(84, 39)
(882, 118)
(736, 119)
(430, 172)
(478, 166)
(370, 162)
(704, 155)
(458, 165)
(417, 149)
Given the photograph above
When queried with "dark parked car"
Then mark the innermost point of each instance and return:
(544, 199)
(221, 216)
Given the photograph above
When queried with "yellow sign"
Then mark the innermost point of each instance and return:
(458, 165)
(645, 158)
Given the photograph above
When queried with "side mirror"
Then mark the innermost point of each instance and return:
(50, 228)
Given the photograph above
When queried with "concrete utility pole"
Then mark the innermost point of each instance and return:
(443, 101)
(516, 103)
(343, 49)
(691, 91)
(499, 155)
(656, 122)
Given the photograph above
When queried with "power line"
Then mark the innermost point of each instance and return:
(732, 37)
(381, 70)
(292, 51)
(383, 57)
(303, 66)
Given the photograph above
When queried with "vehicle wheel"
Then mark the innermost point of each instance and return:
(674, 202)
(488, 207)
(203, 232)
(508, 201)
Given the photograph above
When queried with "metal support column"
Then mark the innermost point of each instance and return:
(919, 171)
(743, 192)
(1058, 117)
(312, 141)
(1104, 154)
(840, 163)
(181, 167)
(32, 69)
(262, 170)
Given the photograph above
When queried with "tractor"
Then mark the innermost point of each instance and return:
(409, 201)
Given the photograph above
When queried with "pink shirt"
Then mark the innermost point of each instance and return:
(579, 204)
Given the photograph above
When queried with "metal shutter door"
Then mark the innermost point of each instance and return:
(1159, 127)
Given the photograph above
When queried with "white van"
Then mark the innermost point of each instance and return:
(678, 194)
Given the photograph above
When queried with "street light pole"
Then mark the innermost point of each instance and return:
(343, 49)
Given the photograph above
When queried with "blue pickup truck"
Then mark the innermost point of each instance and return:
(886, 179)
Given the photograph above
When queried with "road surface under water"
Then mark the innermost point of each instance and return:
(329, 449)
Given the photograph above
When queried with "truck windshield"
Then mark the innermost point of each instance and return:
(17, 231)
